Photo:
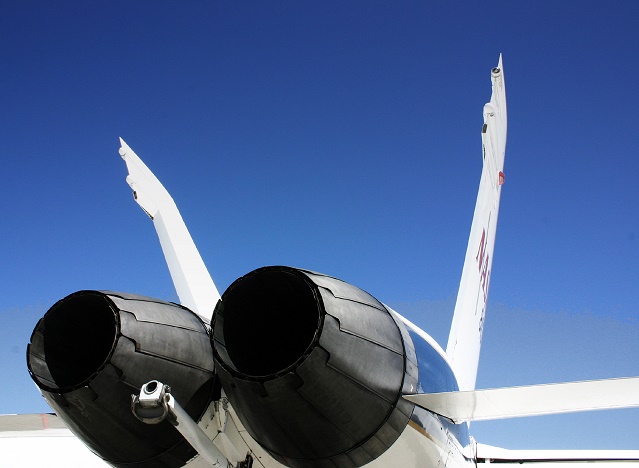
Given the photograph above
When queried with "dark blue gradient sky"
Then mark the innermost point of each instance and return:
(342, 137)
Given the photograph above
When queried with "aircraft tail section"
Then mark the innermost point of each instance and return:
(464, 341)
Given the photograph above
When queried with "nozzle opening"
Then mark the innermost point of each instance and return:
(270, 319)
(79, 333)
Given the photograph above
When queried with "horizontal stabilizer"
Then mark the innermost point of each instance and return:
(535, 400)
(490, 454)
(42, 440)
(29, 422)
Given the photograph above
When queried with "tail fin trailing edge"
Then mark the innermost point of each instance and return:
(465, 337)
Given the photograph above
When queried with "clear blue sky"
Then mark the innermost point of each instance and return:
(343, 137)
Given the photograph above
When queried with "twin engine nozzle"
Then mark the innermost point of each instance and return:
(313, 366)
(93, 349)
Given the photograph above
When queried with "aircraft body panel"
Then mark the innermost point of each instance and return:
(424, 442)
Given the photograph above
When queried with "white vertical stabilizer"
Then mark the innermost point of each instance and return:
(192, 281)
(464, 341)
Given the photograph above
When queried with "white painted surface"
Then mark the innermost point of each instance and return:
(191, 278)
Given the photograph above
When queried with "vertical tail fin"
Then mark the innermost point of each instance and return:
(464, 341)
(192, 281)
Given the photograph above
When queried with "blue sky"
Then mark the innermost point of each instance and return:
(343, 137)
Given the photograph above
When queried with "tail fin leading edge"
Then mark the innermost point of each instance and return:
(464, 341)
